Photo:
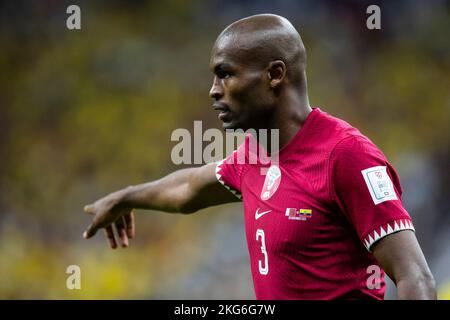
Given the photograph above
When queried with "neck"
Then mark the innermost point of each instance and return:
(288, 117)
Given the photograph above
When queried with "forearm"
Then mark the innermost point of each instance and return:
(168, 194)
(420, 287)
(171, 194)
(401, 257)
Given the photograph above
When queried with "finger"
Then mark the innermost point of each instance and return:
(129, 223)
(110, 235)
(89, 209)
(120, 227)
(90, 231)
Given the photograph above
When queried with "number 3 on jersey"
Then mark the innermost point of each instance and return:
(263, 269)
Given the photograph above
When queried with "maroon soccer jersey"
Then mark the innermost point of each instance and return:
(312, 219)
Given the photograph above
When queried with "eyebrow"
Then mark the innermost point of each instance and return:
(220, 66)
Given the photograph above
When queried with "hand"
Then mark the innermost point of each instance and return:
(109, 211)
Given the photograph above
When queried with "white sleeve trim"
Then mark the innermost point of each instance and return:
(385, 230)
(219, 178)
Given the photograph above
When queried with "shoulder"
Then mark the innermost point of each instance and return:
(352, 147)
(351, 154)
(334, 133)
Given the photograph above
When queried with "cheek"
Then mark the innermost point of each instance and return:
(247, 92)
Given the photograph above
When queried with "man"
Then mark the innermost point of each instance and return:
(323, 219)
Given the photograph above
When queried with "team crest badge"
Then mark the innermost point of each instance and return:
(271, 183)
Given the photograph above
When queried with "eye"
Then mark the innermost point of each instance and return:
(223, 74)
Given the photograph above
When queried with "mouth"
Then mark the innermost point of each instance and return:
(224, 111)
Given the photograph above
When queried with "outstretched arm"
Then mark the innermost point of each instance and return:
(183, 191)
(399, 254)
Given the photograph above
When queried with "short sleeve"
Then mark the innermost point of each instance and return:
(229, 170)
(367, 190)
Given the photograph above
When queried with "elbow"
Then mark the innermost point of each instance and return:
(420, 286)
(187, 207)
(429, 284)
(186, 210)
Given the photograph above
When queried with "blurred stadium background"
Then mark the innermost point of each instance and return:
(83, 113)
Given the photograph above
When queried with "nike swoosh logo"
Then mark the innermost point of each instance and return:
(260, 214)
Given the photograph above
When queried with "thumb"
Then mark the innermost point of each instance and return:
(89, 208)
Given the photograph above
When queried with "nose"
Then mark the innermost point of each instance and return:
(216, 91)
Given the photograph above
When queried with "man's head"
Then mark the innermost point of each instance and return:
(256, 61)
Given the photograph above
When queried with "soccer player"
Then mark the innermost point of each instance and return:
(324, 222)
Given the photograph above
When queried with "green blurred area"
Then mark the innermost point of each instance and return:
(83, 113)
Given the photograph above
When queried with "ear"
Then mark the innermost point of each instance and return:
(276, 73)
